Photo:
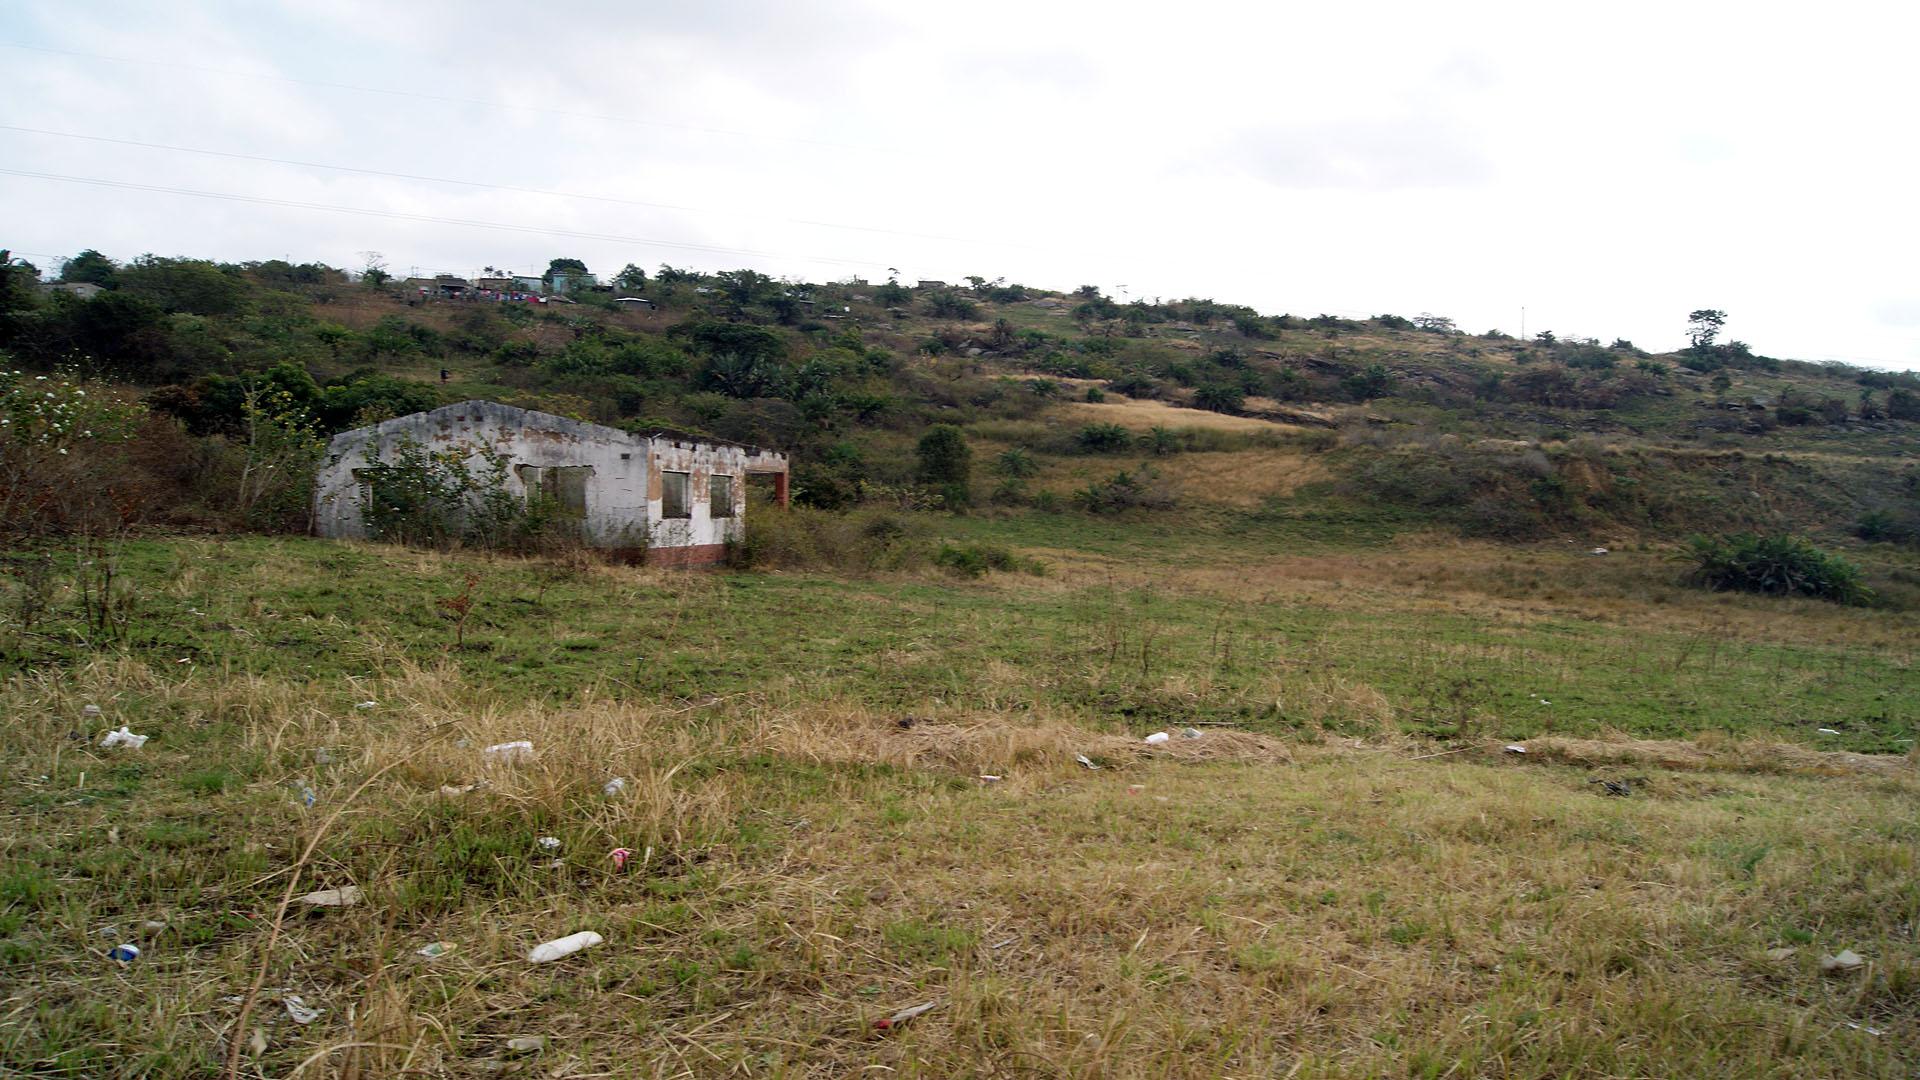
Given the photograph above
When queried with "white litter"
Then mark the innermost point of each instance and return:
(299, 1011)
(989, 778)
(1191, 733)
(367, 705)
(1085, 760)
(566, 946)
(551, 843)
(1514, 748)
(615, 786)
(1847, 960)
(125, 738)
(89, 710)
(1157, 738)
(1828, 731)
(1865, 1028)
(1598, 551)
(518, 750)
(345, 896)
(527, 1044)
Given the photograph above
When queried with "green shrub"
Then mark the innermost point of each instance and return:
(1139, 489)
(1775, 565)
(1103, 439)
(804, 538)
(1889, 527)
(432, 498)
(974, 560)
(1015, 463)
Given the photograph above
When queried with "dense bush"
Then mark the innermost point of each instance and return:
(804, 538)
(974, 560)
(1103, 439)
(1775, 565)
(435, 498)
(1139, 489)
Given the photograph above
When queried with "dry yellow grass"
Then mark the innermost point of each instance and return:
(1142, 415)
(1242, 478)
(800, 869)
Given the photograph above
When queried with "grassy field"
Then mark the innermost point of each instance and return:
(1343, 876)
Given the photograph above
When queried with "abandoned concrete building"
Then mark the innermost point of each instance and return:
(676, 499)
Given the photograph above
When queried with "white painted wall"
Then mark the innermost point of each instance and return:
(616, 492)
(623, 494)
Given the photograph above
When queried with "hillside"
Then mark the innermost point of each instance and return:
(1399, 423)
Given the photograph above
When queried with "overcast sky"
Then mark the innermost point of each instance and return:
(1608, 167)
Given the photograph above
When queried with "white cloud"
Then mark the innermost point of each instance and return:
(1609, 169)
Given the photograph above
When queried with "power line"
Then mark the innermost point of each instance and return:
(492, 187)
(397, 215)
(450, 99)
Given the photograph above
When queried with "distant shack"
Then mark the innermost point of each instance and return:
(672, 499)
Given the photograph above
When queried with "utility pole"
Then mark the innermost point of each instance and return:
(1523, 322)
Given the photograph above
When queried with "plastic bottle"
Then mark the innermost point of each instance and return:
(518, 750)
(566, 946)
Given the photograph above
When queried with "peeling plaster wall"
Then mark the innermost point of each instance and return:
(616, 502)
(623, 493)
(703, 461)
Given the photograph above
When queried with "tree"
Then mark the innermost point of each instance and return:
(1435, 324)
(1903, 404)
(374, 274)
(1220, 398)
(946, 304)
(946, 462)
(89, 266)
(195, 286)
(1375, 381)
(1703, 326)
(631, 278)
(557, 265)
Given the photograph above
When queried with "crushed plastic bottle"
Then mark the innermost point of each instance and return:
(125, 953)
(125, 738)
(510, 752)
(1157, 738)
(563, 947)
(299, 1011)
(344, 896)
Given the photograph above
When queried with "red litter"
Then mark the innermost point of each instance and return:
(620, 857)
